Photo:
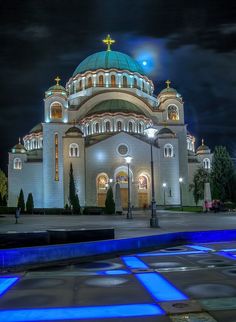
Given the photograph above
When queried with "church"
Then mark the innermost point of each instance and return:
(93, 123)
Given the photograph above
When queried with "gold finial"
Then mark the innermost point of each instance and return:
(168, 83)
(19, 140)
(108, 41)
(57, 79)
(202, 141)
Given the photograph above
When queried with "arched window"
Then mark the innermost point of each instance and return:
(96, 128)
(135, 83)
(140, 127)
(168, 151)
(125, 83)
(108, 126)
(206, 163)
(17, 164)
(80, 85)
(119, 126)
(100, 81)
(173, 113)
(142, 182)
(113, 81)
(74, 150)
(102, 182)
(88, 129)
(90, 83)
(130, 126)
(56, 110)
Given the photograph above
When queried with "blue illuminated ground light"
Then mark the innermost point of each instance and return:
(191, 252)
(114, 272)
(79, 313)
(160, 288)
(203, 248)
(133, 262)
(6, 283)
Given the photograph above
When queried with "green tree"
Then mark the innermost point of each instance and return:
(3, 185)
(30, 204)
(201, 176)
(21, 201)
(109, 203)
(73, 197)
(76, 206)
(222, 175)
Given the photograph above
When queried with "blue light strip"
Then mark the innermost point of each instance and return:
(133, 262)
(160, 288)
(6, 283)
(171, 253)
(114, 272)
(227, 255)
(200, 247)
(229, 250)
(79, 313)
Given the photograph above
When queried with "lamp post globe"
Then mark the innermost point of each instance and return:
(128, 160)
(151, 133)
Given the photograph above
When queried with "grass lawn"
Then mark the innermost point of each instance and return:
(186, 208)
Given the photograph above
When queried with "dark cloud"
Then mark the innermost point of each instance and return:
(193, 43)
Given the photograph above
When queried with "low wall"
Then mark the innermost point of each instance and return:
(41, 255)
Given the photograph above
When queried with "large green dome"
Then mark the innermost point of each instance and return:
(107, 60)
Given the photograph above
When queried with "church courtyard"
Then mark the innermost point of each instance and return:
(124, 228)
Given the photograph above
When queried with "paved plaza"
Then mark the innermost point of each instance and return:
(185, 283)
(138, 226)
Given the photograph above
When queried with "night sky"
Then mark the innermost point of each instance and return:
(192, 43)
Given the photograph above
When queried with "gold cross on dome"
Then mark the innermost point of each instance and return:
(57, 79)
(108, 41)
(168, 82)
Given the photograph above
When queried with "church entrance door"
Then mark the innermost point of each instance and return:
(101, 199)
(142, 199)
(124, 197)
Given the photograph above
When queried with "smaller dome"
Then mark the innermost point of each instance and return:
(169, 90)
(115, 106)
(203, 148)
(165, 130)
(74, 131)
(37, 128)
(18, 148)
(57, 88)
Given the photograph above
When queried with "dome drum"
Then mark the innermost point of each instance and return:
(110, 79)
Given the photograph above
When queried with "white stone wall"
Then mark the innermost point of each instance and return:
(169, 172)
(78, 164)
(53, 190)
(29, 179)
(103, 157)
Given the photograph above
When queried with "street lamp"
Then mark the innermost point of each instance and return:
(129, 212)
(164, 189)
(151, 132)
(180, 191)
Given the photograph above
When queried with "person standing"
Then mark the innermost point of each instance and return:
(17, 214)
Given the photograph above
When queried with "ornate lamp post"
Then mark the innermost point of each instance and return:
(180, 191)
(128, 160)
(164, 191)
(151, 132)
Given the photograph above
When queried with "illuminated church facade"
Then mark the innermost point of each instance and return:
(93, 123)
